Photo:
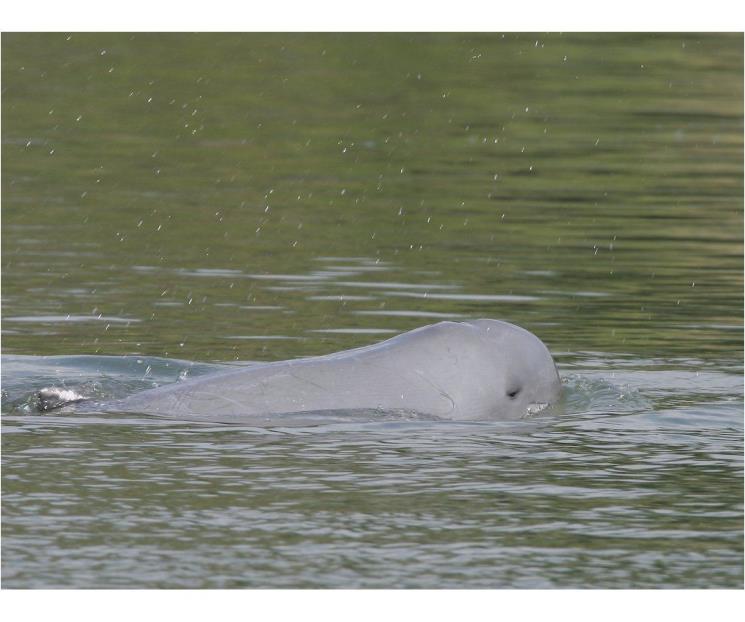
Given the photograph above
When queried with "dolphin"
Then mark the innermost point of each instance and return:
(461, 371)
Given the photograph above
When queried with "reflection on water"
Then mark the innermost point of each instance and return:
(236, 198)
(587, 500)
(633, 480)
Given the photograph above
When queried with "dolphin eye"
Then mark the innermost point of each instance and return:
(512, 393)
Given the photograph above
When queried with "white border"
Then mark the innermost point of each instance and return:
(371, 15)
(372, 605)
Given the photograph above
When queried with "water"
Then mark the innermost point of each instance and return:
(175, 204)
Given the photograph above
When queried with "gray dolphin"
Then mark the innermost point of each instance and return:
(474, 370)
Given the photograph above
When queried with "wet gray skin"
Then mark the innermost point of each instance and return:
(475, 370)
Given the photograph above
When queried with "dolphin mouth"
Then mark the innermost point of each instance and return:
(535, 407)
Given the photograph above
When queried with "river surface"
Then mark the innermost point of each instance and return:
(175, 204)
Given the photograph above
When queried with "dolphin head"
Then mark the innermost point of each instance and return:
(522, 374)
